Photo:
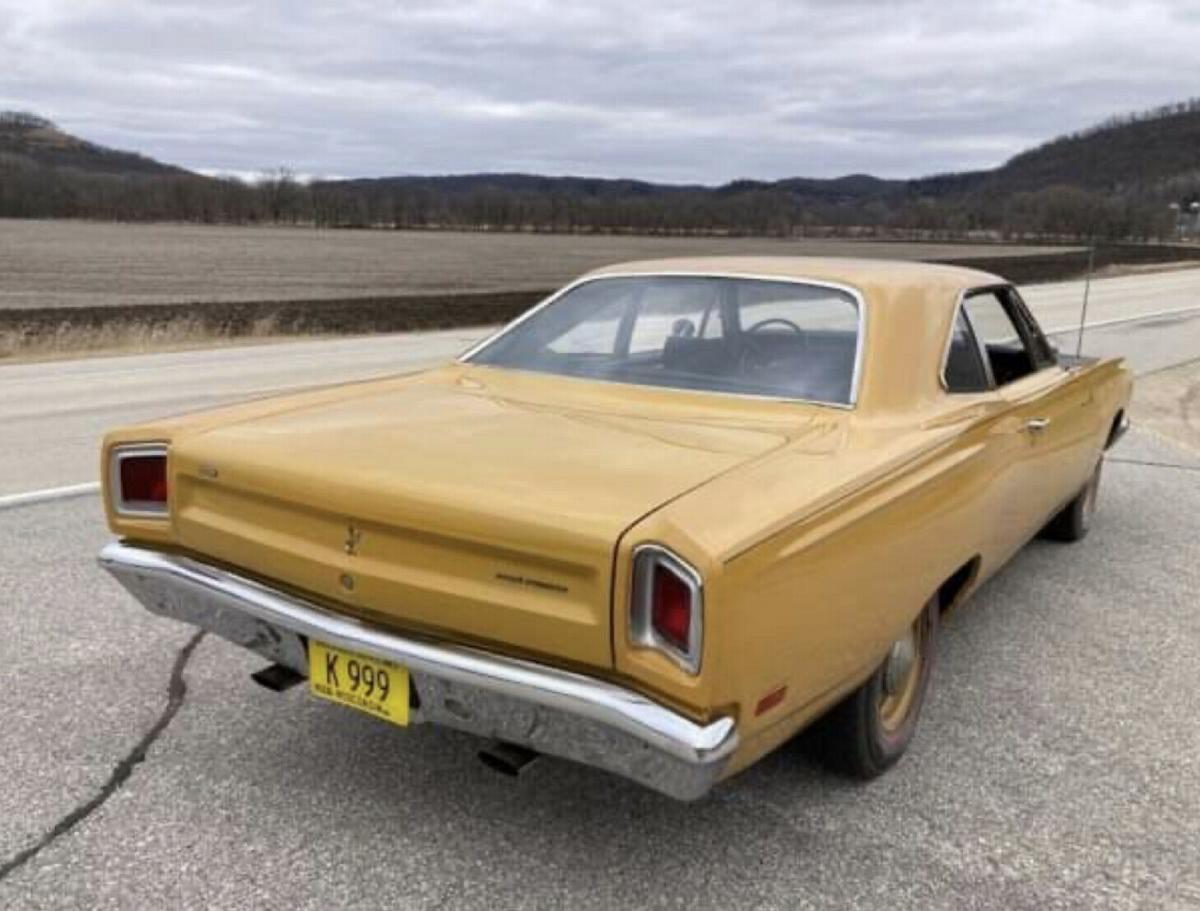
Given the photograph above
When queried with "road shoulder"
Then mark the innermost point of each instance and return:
(1167, 404)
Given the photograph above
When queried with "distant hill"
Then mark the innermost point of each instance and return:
(1125, 153)
(848, 189)
(1144, 150)
(1134, 152)
(520, 183)
(1139, 150)
(40, 141)
(1114, 180)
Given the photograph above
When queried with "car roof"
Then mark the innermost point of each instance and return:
(863, 274)
(910, 309)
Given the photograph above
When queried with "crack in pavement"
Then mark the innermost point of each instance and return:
(176, 691)
(1151, 464)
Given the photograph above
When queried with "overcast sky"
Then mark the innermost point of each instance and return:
(658, 89)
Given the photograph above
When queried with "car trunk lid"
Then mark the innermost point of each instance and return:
(483, 511)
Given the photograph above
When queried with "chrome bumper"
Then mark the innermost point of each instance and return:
(546, 709)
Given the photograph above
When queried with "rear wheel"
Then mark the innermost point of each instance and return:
(870, 729)
(1075, 520)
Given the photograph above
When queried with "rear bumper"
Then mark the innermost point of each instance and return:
(546, 709)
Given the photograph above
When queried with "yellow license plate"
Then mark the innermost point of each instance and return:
(371, 685)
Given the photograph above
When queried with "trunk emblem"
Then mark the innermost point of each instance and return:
(353, 539)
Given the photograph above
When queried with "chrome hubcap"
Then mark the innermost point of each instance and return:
(899, 663)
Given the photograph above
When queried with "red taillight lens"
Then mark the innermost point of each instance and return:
(143, 480)
(671, 608)
(666, 610)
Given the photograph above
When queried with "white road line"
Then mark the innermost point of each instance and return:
(47, 495)
(1100, 324)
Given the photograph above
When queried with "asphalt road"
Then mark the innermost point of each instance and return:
(53, 413)
(1057, 764)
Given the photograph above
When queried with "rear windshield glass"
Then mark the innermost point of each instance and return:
(739, 335)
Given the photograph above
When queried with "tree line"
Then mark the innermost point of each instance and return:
(1057, 191)
(29, 190)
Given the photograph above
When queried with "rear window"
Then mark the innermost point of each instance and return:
(784, 339)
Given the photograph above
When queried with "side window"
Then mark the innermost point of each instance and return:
(1044, 353)
(1008, 354)
(964, 371)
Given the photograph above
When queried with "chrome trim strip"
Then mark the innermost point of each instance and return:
(949, 341)
(686, 758)
(133, 510)
(642, 633)
(860, 305)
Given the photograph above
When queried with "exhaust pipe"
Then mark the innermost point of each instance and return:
(277, 678)
(507, 758)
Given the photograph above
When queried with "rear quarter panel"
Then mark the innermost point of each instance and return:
(1111, 383)
(1114, 390)
(815, 607)
(1104, 389)
(812, 594)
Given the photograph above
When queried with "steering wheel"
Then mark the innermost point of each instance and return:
(753, 356)
(772, 321)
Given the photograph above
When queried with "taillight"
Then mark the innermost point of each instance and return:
(139, 480)
(671, 607)
(666, 612)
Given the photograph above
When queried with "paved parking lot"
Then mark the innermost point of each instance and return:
(1056, 765)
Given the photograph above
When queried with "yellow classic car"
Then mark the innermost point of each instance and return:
(670, 517)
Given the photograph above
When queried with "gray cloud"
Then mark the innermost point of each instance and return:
(662, 89)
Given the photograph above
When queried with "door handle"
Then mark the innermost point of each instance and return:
(1037, 425)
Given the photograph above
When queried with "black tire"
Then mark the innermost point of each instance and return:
(1075, 519)
(857, 738)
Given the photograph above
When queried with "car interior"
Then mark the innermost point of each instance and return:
(1009, 362)
(812, 364)
(743, 336)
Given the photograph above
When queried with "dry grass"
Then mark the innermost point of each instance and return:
(124, 336)
(39, 333)
(138, 341)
